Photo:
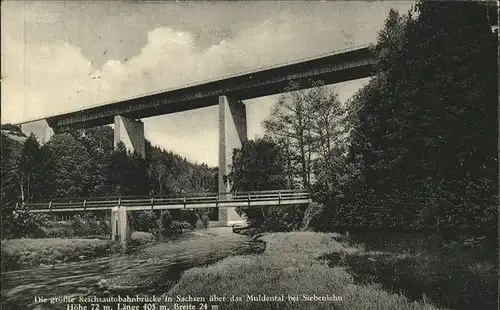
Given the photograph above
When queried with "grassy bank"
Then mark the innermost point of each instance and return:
(292, 265)
(28, 253)
(458, 273)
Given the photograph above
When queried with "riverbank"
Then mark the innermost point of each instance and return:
(455, 271)
(294, 267)
(46, 252)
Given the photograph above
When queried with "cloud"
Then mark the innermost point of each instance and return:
(46, 78)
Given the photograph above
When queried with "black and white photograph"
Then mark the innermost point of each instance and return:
(212, 155)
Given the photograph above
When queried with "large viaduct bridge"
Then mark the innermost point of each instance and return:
(227, 93)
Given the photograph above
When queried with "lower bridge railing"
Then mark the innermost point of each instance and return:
(188, 201)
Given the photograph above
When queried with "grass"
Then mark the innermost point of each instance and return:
(28, 253)
(460, 274)
(292, 264)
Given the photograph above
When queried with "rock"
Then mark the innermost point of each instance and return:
(248, 231)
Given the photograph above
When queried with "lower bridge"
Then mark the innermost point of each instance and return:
(120, 205)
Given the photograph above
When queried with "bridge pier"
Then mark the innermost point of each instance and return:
(120, 227)
(232, 132)
(41, 129)
(131, 133)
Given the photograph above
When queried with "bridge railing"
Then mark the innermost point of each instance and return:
(97, 203)
(200, 194)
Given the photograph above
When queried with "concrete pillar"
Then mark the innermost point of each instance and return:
(131, 133)
(41, 129)
(120, 227)
(232, 132)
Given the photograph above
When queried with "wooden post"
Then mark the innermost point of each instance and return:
(160, 233)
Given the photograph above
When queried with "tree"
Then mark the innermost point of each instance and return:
(117, 171)
(99, 144)
(11, 183)
(258, 165)
(137, 175)
(30, 169)
(307, 124)
(172, 175)
(422, 128)
(289, 126)
(327, 137)
(71, 164)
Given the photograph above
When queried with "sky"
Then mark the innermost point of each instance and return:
(59, 56)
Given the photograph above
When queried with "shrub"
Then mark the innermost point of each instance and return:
(59, 230)
(146, 221)
(22, 224)
(189, 216)
(452, 274)
(442, 205)
(312, 216)
(203, 220)
(89, 226)
(180, 226)
(166, 220)
(283, 218)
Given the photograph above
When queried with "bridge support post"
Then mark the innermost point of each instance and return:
(232, 133)
(131, 133)
(120, 227)
(160, 234)
(41, 129)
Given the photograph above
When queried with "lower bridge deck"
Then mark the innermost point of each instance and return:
(191, 201)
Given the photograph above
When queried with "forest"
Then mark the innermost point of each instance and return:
(414, 149)
(403, 176)
(84, 163)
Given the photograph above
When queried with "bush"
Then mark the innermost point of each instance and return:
(176, 227)
(59, 230)
(166, 221)
(462, 205)
(255, 216)
(283, 218)
(172, 227)
(203, 220)
(22, 224)
(312, 216)
(145, 221)
(196, 218)
(452, 273)
(189, 216)
(89, 226)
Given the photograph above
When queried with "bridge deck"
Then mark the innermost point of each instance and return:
(193, 201)
(339, 66)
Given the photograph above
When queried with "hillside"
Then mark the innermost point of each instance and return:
(85, 163)
(13, 132)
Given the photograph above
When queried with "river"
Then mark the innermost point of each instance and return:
(151, 271)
